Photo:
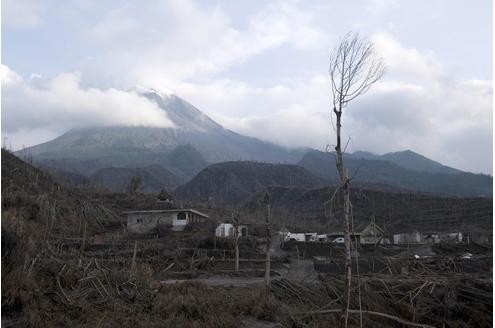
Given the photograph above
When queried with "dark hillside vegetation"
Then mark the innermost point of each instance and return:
(35, 207)
(232, 183)
(154, 178)
(382, 171)
(54, 277)
(409, 160)
(396, 211)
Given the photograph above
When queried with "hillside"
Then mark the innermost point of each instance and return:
(232, 183)
(375, 171)
(154, 178)
(302, 208)
(18, 175)
(409, 160)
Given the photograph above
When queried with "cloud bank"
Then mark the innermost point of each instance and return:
(60, 103)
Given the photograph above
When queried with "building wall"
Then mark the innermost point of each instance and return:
(146, 222)
(370, 239)
(407, 238)
(180, 220)
(225, 230)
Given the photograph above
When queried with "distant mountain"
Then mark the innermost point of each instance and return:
(373, 171)
(409, 160)
(232, 183)
(87, 150)
(154, 178)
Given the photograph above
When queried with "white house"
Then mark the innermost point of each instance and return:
(304, 236)
(227, 230)
(453, 237)
(371, 233)
(145, 221)
(407, 238)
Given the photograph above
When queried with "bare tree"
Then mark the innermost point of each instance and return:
(267, 200)
(354, 68)
(235, 222)
(135, 185)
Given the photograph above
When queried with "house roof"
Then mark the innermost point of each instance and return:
(176, 210)
(365, 227)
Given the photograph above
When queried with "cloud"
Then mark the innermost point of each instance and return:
(406, 64)
(177, 40)
(380, 7)
(58, 104)
(207, 55)
(417, 106)
(21, 13)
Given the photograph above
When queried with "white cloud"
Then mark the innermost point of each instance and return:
(56, 105)
(21, 13)
(193, 49)
(380, 7)
(417, 106)
(406, 64)
(176, 40)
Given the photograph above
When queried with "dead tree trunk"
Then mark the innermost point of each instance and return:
(354, 68)
(267, 201)
(236, 244)
(344, 179)
(236, 254)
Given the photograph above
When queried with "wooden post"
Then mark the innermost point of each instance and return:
(133, 263)
(81, 251)
(297, 250)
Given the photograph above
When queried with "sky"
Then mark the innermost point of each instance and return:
(259, 68)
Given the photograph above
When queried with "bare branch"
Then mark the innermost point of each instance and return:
(354, 68)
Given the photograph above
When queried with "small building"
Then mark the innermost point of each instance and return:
(430, 238)
(301, 236)
(407, 238)
(322, 238)
(283, 233)
(291, 236)
(371, 233)
(451, 238)
(334, 237)
(145, 221)
(227, 230)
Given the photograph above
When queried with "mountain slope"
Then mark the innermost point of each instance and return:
(385, 172)
(232, 183)
(154, 178)
(409, 160)
(126, 146)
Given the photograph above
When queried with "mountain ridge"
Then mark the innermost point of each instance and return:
(197, 141)
(386, 172)
(409, 160)
(231, 183)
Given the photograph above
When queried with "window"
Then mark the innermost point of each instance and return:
(181, 216)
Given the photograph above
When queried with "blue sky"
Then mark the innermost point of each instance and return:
(257, 67)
